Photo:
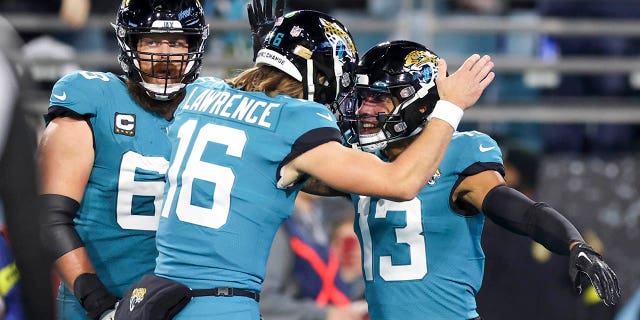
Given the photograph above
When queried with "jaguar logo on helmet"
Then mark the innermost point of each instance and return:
(417, 59)
(337, 36)
(136, 297)
(422, 61)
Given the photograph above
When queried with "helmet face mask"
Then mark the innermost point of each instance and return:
(162, 74)
(403, 72)
(314, 49)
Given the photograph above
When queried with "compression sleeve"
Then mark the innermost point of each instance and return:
(58, 230)
(514, 211)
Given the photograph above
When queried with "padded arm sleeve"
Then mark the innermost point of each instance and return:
(58, 232)
(517, 213)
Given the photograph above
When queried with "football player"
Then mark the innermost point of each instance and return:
(104, 154)
(422, 258)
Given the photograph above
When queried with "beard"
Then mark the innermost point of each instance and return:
(163, 108)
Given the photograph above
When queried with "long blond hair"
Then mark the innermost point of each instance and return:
(269, 80)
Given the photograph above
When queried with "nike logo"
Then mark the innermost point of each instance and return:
(63, 97)
(584, 255)
(483, 149)
(326, 116)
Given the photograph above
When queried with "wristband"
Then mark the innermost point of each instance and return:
(93, 295)
(448, 112)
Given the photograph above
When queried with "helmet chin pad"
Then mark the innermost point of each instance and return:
(162, 91)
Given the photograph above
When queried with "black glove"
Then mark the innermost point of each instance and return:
(262, 21)
(93, 295)
(586, 261)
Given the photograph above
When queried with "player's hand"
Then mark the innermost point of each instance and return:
(94, 297)
(261, 20)
(464, 87)
(584, 261)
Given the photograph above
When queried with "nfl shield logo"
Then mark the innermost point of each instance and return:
(295, 31)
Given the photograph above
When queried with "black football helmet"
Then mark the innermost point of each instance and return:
(315, 49)
(137, 18)
(403, 70)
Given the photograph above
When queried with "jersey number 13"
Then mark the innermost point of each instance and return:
(411, 236)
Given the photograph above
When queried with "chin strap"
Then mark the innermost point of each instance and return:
(311, 89)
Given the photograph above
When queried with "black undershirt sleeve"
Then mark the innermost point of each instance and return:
(514, 211)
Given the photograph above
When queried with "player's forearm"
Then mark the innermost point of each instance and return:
(62, 242)
(419, 162)
(73, 264)
(77, 272)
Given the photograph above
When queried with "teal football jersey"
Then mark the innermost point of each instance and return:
(223, 202)
(422, 258)
(119, 212)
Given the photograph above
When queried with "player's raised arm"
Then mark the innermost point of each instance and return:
(261, 20)
(353, 170)
(512, 210)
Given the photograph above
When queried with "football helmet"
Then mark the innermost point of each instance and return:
(403, 71)
(315, 49)
(139, 18)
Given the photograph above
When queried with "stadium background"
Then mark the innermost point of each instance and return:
(564, 107)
